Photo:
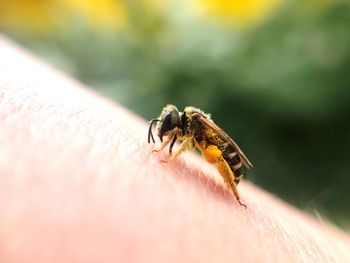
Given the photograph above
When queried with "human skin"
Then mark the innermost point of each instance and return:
(79, 183)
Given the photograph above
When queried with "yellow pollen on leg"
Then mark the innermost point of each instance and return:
(212, 154)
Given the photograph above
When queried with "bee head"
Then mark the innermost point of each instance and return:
(168, 120)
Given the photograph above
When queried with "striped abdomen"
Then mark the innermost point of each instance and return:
(234, 161)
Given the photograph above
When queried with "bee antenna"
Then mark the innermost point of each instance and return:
(150, 134)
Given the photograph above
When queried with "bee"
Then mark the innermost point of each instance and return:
(195, 129)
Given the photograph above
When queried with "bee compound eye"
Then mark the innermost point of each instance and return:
(167, 123)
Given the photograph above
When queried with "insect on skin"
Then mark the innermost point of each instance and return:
(195, 129)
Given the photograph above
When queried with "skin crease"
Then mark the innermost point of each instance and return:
(79, 183)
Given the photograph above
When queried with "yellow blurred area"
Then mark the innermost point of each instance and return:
(29, 14)
(43, 15)
(235, 12)
(101, 13)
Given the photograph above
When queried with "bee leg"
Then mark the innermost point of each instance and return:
(229, 178)
(213, 155)
(182, 147)
(168, 140)
(172, 144)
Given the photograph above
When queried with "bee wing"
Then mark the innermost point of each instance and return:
(209, 123)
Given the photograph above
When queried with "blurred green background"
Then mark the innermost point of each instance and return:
(275, 75)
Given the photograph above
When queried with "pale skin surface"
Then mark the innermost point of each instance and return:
(79, 183)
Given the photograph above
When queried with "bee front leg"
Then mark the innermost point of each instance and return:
(168, 140)
(172, 144)
(185, 144)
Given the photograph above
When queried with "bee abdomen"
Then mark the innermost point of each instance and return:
(234, 161)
